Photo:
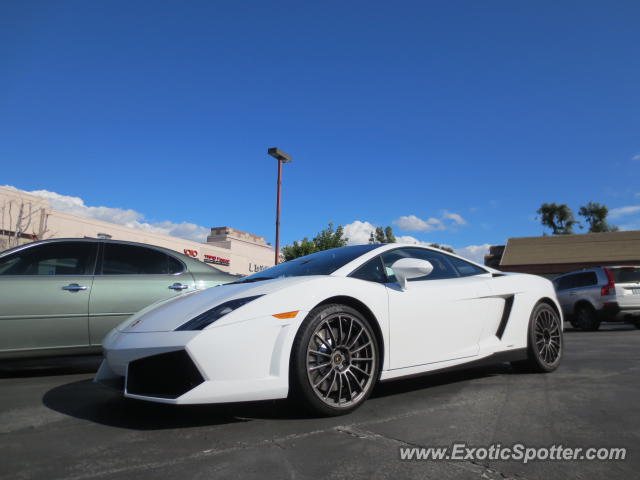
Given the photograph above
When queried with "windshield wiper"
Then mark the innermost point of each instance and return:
(250, 280)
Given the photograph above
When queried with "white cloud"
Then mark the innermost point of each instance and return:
(416, 224)
(120, 216)
(623, 211)
(475, 253)
(358, 233)
(636, 157)
(458, 220)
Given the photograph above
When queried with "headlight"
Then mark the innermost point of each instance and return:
(207, 318)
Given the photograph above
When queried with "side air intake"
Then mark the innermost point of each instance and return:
(506, 313)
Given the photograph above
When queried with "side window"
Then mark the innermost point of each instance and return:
(565, 283)
(133, 260)
(58, 258)
(585, 279)
(442, 267)
(465, 269)
(372, 271)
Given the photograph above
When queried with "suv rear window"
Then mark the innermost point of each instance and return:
(626, 275)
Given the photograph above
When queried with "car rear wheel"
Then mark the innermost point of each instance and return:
(545, 341)
(586, 318)
(334, 361)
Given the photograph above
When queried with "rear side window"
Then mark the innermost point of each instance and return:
(577, 280)
(134, 260)
(68, 258)
(372, 271)
(564, 283)
(466, 269)
(585, 279)
(442, 267)
(626, 274)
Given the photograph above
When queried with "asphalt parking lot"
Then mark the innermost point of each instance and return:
(54, 423)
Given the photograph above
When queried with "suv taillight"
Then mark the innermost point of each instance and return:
(610, 287)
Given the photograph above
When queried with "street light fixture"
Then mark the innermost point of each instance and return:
(281, 157)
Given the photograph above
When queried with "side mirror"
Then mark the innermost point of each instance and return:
(407, 268)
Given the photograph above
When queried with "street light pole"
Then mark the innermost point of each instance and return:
(281, 157)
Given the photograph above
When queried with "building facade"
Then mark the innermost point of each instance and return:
(553, 255)
(26, 218)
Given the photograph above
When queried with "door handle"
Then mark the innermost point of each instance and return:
(74, 287)
(178, 286)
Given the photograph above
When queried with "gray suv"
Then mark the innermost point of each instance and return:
(600, 294)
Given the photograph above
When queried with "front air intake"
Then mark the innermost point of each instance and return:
(167, 375)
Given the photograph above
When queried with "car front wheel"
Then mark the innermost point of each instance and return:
(334, 362)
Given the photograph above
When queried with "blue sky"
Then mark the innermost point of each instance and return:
(467, 113)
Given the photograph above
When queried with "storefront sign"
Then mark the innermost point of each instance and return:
(257, 268)
(217, 260)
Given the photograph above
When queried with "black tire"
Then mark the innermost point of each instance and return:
(586, 318)
(637, 323)
(545, 342)
(334, 361)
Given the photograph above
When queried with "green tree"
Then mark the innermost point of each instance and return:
(298, 249)
(388, 232)
(382, 235)
(324, 240)
(330, 238)
(442, 247)
(596, 216)
(557, 217)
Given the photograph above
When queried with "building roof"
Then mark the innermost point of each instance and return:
(564, 250)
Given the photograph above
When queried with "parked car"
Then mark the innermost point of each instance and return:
(601, 294)
(62, 296)
(326, 327)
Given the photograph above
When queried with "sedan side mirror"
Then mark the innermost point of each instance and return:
(407, 268)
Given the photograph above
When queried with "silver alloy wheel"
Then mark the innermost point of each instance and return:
(341, 360)
(547, 335)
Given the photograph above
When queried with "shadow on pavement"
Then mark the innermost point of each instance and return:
(604, 327)
(41, 367)
(88, 401)
(420, 382)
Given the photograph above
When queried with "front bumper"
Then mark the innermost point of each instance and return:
(242, 361)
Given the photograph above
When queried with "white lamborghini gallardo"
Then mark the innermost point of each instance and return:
(325, 328)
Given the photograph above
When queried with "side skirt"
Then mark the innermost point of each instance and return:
(493, 359)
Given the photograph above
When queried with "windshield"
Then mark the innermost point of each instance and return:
(626, 274)
(320, 263)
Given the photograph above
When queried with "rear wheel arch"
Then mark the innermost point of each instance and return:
(582, 303)
(552, 304)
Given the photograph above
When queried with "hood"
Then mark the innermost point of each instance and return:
(167, 315)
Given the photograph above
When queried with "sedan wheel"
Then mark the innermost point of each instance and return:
(337, 349)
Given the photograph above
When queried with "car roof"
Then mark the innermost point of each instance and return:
(377, 249)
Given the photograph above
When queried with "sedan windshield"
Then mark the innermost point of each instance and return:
(320, 263)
